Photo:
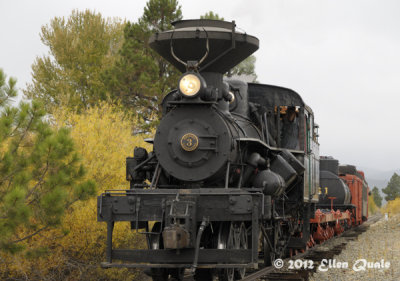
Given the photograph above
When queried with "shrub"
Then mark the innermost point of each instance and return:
(392, 207)
(103, 136)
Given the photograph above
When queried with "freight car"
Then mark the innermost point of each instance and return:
(234, 171)
(344, 188)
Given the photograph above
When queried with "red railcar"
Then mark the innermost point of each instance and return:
(359, 194)
(343, 200)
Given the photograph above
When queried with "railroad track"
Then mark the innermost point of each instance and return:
(327, 250)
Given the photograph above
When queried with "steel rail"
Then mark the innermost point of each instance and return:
(349, 233)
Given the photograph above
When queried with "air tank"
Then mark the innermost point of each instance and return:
(331, 184)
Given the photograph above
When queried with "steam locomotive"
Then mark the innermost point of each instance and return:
(234, 174)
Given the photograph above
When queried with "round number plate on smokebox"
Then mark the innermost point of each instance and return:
(189, 142)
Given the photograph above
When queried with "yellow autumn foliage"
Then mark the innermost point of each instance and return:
(103, 136)
(372, 207)
(392, 207)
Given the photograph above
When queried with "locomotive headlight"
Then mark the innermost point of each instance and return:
(232, 97)
(190, 85)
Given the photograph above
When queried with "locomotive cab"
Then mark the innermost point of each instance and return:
(297, 133)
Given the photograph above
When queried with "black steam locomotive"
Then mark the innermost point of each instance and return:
(234, 170)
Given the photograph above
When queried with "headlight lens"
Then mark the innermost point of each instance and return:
(189, 85)
(232, 97)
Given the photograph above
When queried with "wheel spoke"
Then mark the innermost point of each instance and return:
(242, 244)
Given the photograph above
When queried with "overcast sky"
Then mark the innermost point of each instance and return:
(342, 57)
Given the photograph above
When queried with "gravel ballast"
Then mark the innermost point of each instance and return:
(378, 247)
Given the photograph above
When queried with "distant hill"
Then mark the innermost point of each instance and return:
(376, 182)
(379, 175)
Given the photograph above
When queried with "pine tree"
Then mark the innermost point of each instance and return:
(40, 172)
(210, 15)
(7, 90)
(392, 190)
(81, 49)
(377, 197)
(141, 77)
